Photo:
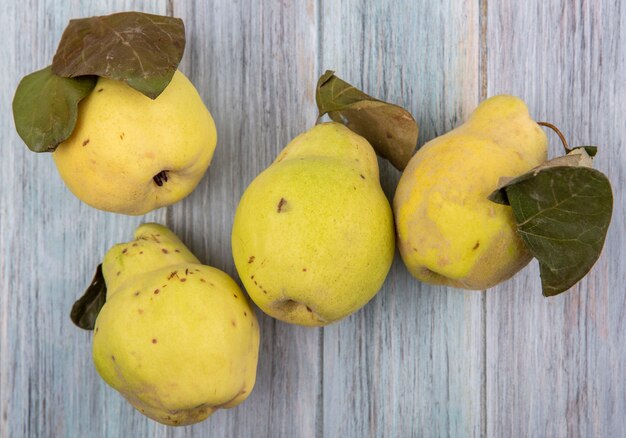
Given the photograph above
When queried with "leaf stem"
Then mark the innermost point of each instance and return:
(559, 133)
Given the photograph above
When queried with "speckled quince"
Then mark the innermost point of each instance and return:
(176, 338)
(131, 154)
(449, 232)
(313, 236)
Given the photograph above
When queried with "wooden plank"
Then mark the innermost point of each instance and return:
(50, 244)
(254, 64)
(556, 366)
(410, 362)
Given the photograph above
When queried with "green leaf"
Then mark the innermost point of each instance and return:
(576, 157)
(562, 214)
(45, 108)
(86, 309)
(140, 49)
(591, 150)
(390, 129)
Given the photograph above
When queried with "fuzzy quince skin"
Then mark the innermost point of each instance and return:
(131, 154)
(176, 338)
(449, 233)
(313, 235)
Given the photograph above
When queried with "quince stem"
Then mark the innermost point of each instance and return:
(559, 133)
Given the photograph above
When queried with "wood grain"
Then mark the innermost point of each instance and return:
(417, 360)
(556, 366)
(50, 245)
(254, 64)
(410, 362)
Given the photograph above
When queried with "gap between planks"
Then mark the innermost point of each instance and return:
(319, 432)
(483, 60)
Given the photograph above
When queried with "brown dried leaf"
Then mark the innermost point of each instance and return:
(390, 129)
(140, 49)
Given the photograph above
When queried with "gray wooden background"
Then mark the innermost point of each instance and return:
(417, 360)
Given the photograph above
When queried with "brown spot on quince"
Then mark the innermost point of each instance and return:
(281, 205)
